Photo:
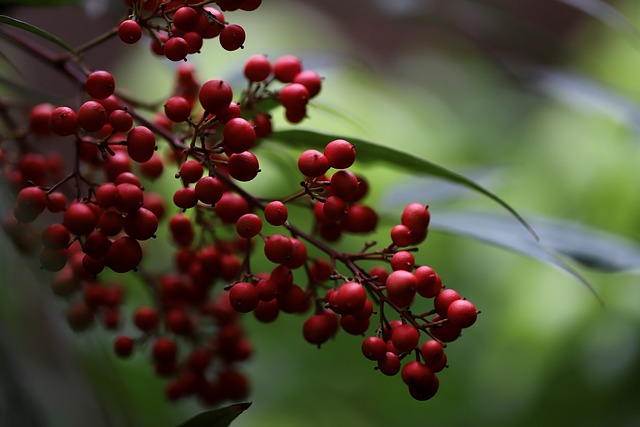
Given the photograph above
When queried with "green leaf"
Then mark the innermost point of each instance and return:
(220, 417)
(37, 31)
(370, 152)
(559, 240)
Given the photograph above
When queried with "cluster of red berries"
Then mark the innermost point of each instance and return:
(179, 28)
(93, 213)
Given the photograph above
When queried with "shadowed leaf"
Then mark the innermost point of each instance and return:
(37, 31)
(221, 417)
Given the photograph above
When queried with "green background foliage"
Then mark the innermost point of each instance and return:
(553, 138)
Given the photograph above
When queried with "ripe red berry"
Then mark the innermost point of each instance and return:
(191, 171)
(340, 153)
(146, 318)
(79, 219)
(177, 108)
(402, 260)
(55, 236)
(248, 225)
(63, 121)
(286, 67)
(39, 118)
(130, 197)
(390, 364)
(231, 207)
(401, 235)
(416, 216)
(462, 313)
(209, 190)
(429, 282)
(141, 144)
(257, 68)
(350, 298)
(124, 254)
(30, 202)
(445, 332)
(176, 49)
(432, 352)
(92, 116)
(278, 248)
(185, 198)
(276, 213)
(244, 297)
(232, 37)
(319, 328)
(243, 166)
(313, 163)
(123, 346)
(141, 224)
(129, 31)
(294, 96)
(215, 95)
(238, 135)
(405, 338)
(401, 287)
(164, 350)
(121, 120)
(100, 84)
(186, 18)
(374, 348)
(344, 184)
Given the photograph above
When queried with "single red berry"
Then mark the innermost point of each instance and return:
(276, 213)
(350, 298)
(129, 31)
(432, 352)
(340, 153)
(278, 248)
(444, 332)
(250, 5)
(141, 224)
(30, 202)
(177, 108)
(123, 346)
(238, 135)
(402, 260)
(416, 216)
(124, 254)
(374, 348)
(243, 166)
(429, 282)
(415, 374)
(294, 96)
(401, 287)
(231, 207)
(141, 143)
(191, 171)
(426, 391)
(244, 297)
(185, 198)
(92, 116)
(319, 328)
(209, 190)
(39, 119)
(121, 120)
(257, 68)
(313, 163)
(79, 219)
(232, 37)
(146, 318)
(309, 79)
(230, 112)
(262, 125)
(215, 95)
(100, 84)
(354, 326)
(390, 364)
(194, 41)
(63, 121)
(462, 313)
(176, 49)
(248, 225)
(210, 23)
(405, 338)
(164, 350)
(130, 197)
(401, 235)
(55, 236)
(286, 67)
(186, 18)
(97, 244)
(344, 184)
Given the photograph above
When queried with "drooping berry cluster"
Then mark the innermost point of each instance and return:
(92, 212)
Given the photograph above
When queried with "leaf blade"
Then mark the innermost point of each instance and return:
(220, 417)
(4, 19)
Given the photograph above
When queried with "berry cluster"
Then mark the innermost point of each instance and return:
(179, 28)
(93, 213)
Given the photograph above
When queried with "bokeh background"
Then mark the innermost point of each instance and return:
(539, 101)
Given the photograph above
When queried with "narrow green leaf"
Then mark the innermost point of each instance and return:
(370, 152)
(559, 240)
(220, 417)
(37, 31)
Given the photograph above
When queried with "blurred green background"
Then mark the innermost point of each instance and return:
(537, 100)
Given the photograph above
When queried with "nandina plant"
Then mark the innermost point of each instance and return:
(80, 206)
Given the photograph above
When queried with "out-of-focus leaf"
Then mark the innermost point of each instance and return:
(371, 152)
(559, 240)
(37, 31)
(221, 417)
(609, 15)
(39, 3)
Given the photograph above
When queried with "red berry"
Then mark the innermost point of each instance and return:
(243, 166)
(401, 287)
(121, 120)
(63, 121)
(30, 202)
(405, 338)
(462, 313)
(248, 225)
(129, 31)
(124, 255)
(313, 163)
(318, 328)
(215, 95)
(146, 318)
(286, 67)
(177, 108)
(238, 135)
(130, 197)
(141, 224)
(444, 332)
(294, 96)
(100, 84)
(141, 143)
(55, 236)
(191, 171)
(185, 198)
(309, 79)
(278, 248)
(123, 346)
(402, 260)
(186, 19)
(257, 68)
(374, 348)
(432, 352)
(244, 297)
(429, 283)
(232, 37)
(92, 116)
(39, 119)
(209, 190)
(231, 207)
(344, 184)
(350, 298)
(164, 350)
(443, 300)
(276, 213)
(340, 153)
(79, 219)
(416, 216)
(176, 49)
(390, 364)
